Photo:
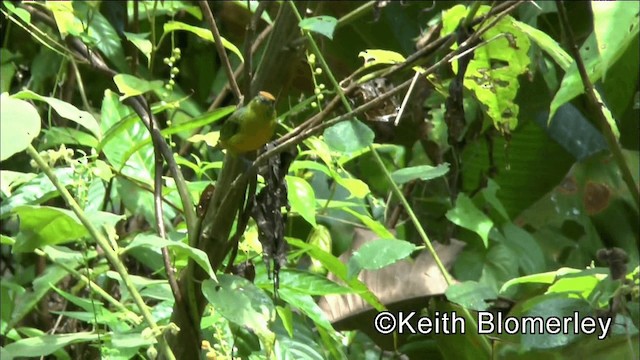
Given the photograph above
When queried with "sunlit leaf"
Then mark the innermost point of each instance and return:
(324, 25)
(19, 125)
(302, 198)
(377, 254)
(202, 33)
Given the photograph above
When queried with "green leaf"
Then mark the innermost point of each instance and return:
(572, 86)
(21, 13)
(153, 241)
(307, 306)
(348, 136)
(467, 215)
(356, 187)
(101, 34)
(19, 125)
(335, 266)
(615, 25)
(12, 179)
(307, 283)
(240, 302)
(36, 190)
(286, 316)
(323, 25)
(204, 34)
(546, 43)
(141, 42)
(530, 255)
(47, 344)
(139, 165)
(320, 237)
(422, 172)
(302, 198)
(55, 136)
(471, 295)
(376, 56)
(253, 5)
(500, 265)
(65, 18)
(130, 85)
(44, 225)
(489, 194)
(545, 307)
(65, 110)
(377, 254)
(26, 302)
(541, 278)
(372, 224)
(573, 80)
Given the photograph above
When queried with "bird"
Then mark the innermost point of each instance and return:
(251, 126)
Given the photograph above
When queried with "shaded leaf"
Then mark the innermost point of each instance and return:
(155, 242)
(468, 216)
(348, 136)
(422, 172)
(240, 302)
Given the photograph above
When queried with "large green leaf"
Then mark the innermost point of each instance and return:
(377, 254)
(493, 72)
(468, 216)
(307, 306)
(130, 85)
(47, 344)
(335, 266)
(307, 283)
(202, 33)
(19, 125)
(615, 25)
(37, 190)
(154, 241)
(471, 295)
(302, 198)
(324, 25)
(141, 164)
(349, 136)
(240, 302)
(44, 225)
(422, 172)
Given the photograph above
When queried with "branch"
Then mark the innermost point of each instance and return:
(596, 107)
(206, 10)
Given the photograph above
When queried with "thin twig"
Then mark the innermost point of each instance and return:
(248, 50)
(226, 65)
(157, 202)
(406, 98)
(596, 106)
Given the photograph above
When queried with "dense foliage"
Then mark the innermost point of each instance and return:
(444, 158)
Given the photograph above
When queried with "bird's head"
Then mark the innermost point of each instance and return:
(263, 103)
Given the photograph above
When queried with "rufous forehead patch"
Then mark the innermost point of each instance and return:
(267, 95)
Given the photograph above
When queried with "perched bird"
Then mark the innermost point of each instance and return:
(251, 126)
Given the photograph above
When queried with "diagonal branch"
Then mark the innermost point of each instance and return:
(206, 10)
(596, 107)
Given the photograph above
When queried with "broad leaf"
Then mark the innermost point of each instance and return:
(19, 125)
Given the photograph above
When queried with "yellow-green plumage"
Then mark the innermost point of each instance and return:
(251, 126)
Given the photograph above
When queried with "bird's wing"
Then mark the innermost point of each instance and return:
(231, 126)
